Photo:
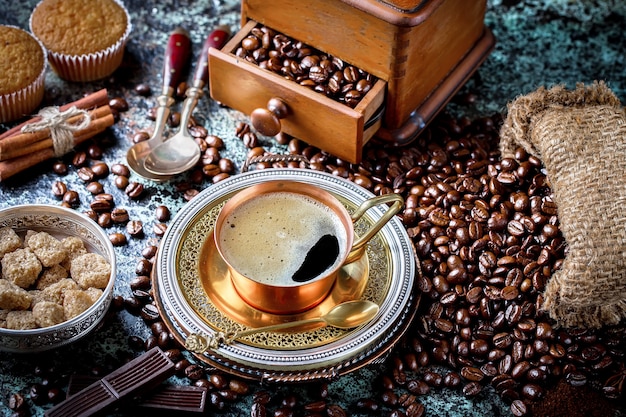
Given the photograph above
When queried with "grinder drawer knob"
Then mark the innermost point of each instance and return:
(267, 121)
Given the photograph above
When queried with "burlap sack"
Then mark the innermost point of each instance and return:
(580, 136)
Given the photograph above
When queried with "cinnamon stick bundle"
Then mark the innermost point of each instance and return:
(22, 150)
(24, 143)
(93, 100)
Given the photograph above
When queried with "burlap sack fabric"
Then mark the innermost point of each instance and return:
(580, 136)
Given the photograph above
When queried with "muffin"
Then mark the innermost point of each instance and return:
(85, 39)
(22, 73)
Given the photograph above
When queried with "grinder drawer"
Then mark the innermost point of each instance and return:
(301, 112)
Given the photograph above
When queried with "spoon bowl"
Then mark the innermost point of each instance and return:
(137, 153)
(180, 152)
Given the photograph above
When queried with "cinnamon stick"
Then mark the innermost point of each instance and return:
(97, 99)
(25, 143)
(16, 165)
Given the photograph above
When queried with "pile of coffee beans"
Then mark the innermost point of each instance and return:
(305, 65)
(487, 236)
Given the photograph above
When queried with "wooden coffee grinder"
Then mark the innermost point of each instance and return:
(421, 52)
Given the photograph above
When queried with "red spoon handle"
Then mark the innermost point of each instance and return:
(216, 39)
(176, 57)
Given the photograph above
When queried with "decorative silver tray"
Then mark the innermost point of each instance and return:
(194, 295)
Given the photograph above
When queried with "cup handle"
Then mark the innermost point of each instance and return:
(358, 247)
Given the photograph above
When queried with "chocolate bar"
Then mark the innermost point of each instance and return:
(186, 399)
(132, 379)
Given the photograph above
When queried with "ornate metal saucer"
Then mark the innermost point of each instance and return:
(195, 296)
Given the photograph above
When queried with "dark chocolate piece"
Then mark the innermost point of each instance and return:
(184, 398)
(181, 398)
(134, 378)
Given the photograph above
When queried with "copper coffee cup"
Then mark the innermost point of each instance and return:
(285, 296)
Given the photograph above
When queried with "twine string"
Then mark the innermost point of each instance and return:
(61, 131)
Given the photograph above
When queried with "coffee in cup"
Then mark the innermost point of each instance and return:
(283, 238)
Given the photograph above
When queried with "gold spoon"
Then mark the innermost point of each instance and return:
(346, 315)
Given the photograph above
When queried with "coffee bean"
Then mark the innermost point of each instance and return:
(117, 239)
(80, 159)
(100, 169)
(38, 394)
(59, 168)
(121, 182)
(101, 205)
(55, 395)
(149, 312)
(149, 251)
(94, 151)
(174, 119)
(518, 408)
(415, 410)
(120, 169)
(418, 387)
(143, 89)
(119, 215)
(135, 342)
(119, 103)
(16, 401)
(71, 198)
(134, 190)
(105, 221)
(134, 228)
(162, 213)
(159, 229)
(258, 410)
(95, 187)
(59, 189)
(143, 267)
(91, 214)
(239, 387)
(86, 174)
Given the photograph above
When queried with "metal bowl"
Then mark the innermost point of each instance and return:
(59, 222)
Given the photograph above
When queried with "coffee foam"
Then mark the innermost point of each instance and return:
(268, 237)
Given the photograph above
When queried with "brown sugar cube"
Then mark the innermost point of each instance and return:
(90, 270)
(49, 250)
(50, 276)
(56, 292)
(9, 241)
(21, 267)
(28, 235)
(13, 297)
(74, 247)
(36, 297)
(94, 293)
(75, 302)
(21, 320)
(48, 314)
